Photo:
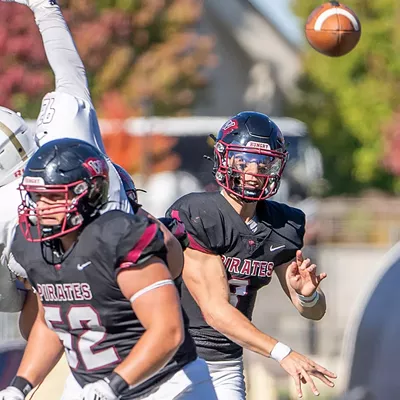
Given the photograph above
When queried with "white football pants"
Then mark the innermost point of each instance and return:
(192, 382)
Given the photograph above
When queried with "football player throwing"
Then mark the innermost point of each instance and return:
(238, 239)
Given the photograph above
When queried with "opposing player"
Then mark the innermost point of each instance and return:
(237, 240)
(106, 295)
(68, 111)
(16, 146)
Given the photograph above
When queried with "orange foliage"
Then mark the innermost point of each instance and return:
(137, 154)
(134, 51)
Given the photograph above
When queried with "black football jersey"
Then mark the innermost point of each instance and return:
(82, 300)
(249, 256)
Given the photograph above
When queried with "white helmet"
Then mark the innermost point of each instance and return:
(17, 144)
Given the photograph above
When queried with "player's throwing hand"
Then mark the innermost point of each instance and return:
(300, 368)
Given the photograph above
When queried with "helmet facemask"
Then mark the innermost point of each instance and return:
(79, 202)
(250, 173)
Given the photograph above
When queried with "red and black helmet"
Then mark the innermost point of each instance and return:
(250, 139)
(129, 187)
(72, 167)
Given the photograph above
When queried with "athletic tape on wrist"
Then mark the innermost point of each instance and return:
(308, 301)
(117, 383)
(22, 384)
(280, 351)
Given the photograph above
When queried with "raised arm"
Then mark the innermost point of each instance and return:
(63, 57)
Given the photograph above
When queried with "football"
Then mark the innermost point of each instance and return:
(333, 29)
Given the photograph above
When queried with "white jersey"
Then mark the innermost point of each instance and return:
(11, 298)
(68, 112)
(66, 116)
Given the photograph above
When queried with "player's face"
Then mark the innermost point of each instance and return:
(51, 207)
(253, 168)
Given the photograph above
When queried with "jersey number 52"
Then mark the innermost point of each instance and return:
(87, 322)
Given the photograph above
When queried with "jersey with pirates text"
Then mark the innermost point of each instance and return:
(249, 253)
(82, 300)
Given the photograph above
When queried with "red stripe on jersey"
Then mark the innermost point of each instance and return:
(146, 238)
(193, 244)
(180, 229)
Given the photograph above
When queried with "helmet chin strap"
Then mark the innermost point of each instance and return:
(48, 231)
(249, 194)
(72, 220)
(253, 195)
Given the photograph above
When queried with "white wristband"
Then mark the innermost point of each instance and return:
(280, 351)
(308, 301)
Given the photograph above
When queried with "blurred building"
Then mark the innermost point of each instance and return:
(259, 61)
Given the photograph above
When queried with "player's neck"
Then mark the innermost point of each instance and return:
(68, 240)
(245, 210)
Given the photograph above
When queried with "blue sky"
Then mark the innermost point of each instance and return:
(280, 12)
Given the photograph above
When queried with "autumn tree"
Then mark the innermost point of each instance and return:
(348, 102)
(141, 56)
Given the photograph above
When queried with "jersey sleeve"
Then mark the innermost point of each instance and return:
(177, 228)
(140, 239)
(63, 57)
(292, 234)
(203, 223)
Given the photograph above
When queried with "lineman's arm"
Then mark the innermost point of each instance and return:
(42, 352)
(156, 303)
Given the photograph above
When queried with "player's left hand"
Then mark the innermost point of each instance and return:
(99, 390)
(303, 277)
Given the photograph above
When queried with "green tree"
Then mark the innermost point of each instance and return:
(348, 102)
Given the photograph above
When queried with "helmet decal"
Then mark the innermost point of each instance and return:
(96, 166)
(230, 126)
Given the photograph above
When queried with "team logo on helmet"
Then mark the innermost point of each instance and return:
(96, 167)
(230, 126)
